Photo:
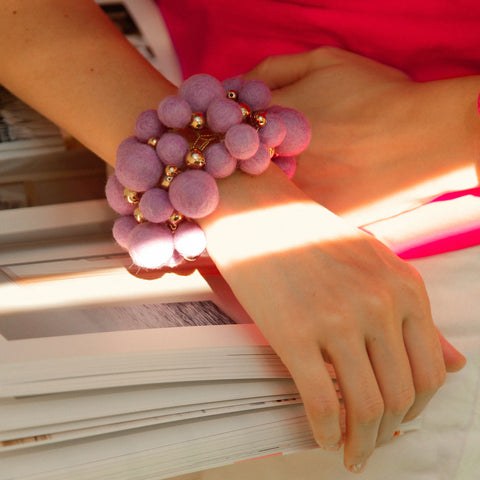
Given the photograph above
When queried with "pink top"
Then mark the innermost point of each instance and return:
(428, 39)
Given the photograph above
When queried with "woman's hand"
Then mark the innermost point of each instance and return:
(381, 143)
(320, 291)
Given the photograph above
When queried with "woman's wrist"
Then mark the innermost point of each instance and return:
(446, 127)
(166, 175)
(265, 215)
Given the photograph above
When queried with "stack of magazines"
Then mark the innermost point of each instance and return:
(106, 375)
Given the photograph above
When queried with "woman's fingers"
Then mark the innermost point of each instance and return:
(426, 361)
(278, 71)
(281, 70)
(363, 400)
(454, 360)
(318, 395)
(392, 369)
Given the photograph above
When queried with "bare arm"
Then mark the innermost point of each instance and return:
(67, 60)
(381, 142)
(318, 289)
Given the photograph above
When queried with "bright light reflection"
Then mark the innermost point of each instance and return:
(104, 287)
(274, 230)
(428, 223)
(271, 230)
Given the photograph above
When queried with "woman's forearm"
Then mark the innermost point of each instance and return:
(67, 60)
(75, 67)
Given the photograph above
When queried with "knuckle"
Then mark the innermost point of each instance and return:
(370, 412)
(379, 305)
(328, 52)
(413, 284)
(324, 411)
(266, 65)
(401, 402)
(432, 382)
(380, 302)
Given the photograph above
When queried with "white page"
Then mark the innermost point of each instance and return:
(47, 221)
(25, 412)
(135, 357)
(33, 437)
(121, 449)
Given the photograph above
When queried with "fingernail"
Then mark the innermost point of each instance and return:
(357, 468)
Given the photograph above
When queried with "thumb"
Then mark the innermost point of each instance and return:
(281, 70)
(454, 360)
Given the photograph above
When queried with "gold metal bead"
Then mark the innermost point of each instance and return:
(232, 95)
(198, 121)
(130, 196)
(174, 220)
(246, 110)
(138, 216)
(166, 181)
(260, 119)
(169, 174)
(152, 141)
(171, 170)
(272, 152)
(195, 159)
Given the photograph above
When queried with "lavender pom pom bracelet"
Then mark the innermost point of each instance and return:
(165, 176)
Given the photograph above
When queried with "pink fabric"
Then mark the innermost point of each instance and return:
(428, 39)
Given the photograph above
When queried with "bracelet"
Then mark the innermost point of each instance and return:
(165, 175)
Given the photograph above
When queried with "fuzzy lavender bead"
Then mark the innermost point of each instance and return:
(189, 240)
(171, 149)
(256, 94)
(132, 140)
(275, 109)
(298, 132)
(138, 167)
(222, 114)
(122, 228)
(200, 90)
(114, 193)
(234, 83)
(150, 245)
(155, 205)
(175, 260)
(258, 163)
(273, 133)
(287, 164)
(174, 112)
(219, 163)
(242, 141)
(148, 126)
(194, 193)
